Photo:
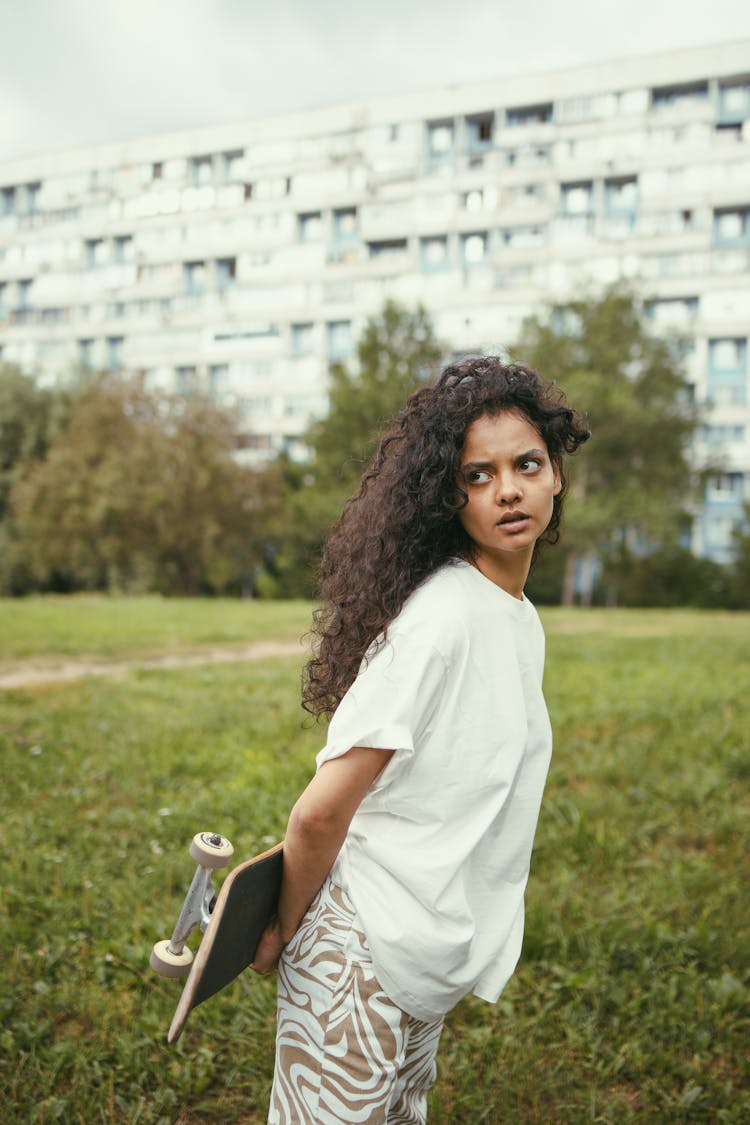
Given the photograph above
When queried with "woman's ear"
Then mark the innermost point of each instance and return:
(557, 479)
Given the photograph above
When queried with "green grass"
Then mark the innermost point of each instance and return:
(632, 1000)
(111, 628)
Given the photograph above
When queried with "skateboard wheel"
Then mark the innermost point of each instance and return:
(168, 964)
(209, 849)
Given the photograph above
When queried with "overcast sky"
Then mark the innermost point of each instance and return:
(78, 72)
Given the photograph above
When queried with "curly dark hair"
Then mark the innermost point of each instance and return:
(401, 524)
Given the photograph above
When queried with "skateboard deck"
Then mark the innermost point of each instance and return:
(244, 906)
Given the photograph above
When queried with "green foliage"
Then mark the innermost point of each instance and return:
(138, 491)
(29, 417)
(396, 352)
(739, 572)
(28, 414)
(632, 1000)
(632, 488)
(672, 576)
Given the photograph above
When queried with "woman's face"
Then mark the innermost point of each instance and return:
(511, 483)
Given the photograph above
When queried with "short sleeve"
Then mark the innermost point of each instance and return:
(392, 699)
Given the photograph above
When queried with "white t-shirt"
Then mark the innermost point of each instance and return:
(437, 855)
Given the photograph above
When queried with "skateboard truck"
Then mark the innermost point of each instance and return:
(210, 851)
(233, 922)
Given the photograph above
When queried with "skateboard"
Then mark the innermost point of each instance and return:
(232, 922)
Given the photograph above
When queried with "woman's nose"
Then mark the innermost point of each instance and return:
(508, 488)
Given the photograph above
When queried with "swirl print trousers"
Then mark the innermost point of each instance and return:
(345, 1053)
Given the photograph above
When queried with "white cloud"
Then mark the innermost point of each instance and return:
(81, 71)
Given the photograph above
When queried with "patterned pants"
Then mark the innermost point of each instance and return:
(345, 1053)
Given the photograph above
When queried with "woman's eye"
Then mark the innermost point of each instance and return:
(531, 464)
(477, 476)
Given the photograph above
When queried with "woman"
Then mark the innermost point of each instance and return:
(406, 858)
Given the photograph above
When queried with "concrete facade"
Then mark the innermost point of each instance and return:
(244, 258)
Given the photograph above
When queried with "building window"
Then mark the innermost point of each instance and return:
(345, 224)
(186, 379)
(529, 114)
(195, 278)
(474, 248)
(226, 273)
(576, 199)
(480, 129)
(734, 102)
(680, 96)
(726, 486)
(8, 201)
(310, 226)
(31, 200)
(302, 339)
(95, 253)
(473, 200)
(201, 171)
(621, 195)
(123, 249)
(231, 165)
(157, 170)
(440, 138)
(387, 248)
(54, 315)
(568, 110)
(339, 339)
(727, 356)
(721, 435)
(732, 226)
(672, 312)
(726, 382)
(620, 207)
(115, 349)
(433, 252)
(218, 378)
(86, 352)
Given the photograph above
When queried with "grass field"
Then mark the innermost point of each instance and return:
(118, 628)
(632, 1000)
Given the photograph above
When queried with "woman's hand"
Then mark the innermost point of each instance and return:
(269, 949)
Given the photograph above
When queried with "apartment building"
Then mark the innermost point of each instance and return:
(243, 259)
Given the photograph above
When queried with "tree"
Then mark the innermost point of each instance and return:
(29, 416)
(397, 351)
(25, 412)
(631, 492)
(739, 571)
(138, 491)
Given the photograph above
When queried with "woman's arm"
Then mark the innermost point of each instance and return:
(317, 828)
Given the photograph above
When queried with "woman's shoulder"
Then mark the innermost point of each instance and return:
(439, 590)
(439, 608)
